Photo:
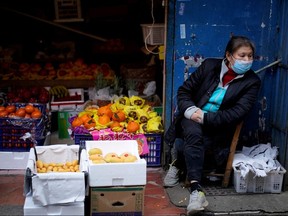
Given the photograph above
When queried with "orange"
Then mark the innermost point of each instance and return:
(104, 119)
(11, 108)
(2, 108)
(119, 116)
(20, 112)
(132, 126)
(36, 114)
(89, 124)
(115, 124)
(85, 117)
(37, 109)
(77, 122)
(105, 110)
(29, 108)
(3, 113)
(27, 115)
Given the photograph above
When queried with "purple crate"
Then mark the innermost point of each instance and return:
(12, 129)
(154, 142)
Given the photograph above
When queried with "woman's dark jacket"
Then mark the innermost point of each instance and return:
(197, 89)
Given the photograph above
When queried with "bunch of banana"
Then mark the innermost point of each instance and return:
(59, 91)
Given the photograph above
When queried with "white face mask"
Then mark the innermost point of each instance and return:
(241, 66)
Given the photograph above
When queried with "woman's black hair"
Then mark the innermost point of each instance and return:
(236, 42)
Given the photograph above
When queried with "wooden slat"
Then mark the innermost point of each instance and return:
(233, 146)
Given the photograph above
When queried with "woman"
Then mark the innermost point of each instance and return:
(211, 102)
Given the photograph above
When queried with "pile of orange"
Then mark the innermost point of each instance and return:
(105, 110)
(28, 111)
(116, 120)
(133, 126)
(86, 120)
(119, 116)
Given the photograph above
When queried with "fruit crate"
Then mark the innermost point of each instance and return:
(80, 139)
(153, 158)
(12, 129)
(272, 183)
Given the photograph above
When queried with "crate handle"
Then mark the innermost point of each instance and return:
(36, 156)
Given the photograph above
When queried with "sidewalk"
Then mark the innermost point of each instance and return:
(250, 204)
(157, 202)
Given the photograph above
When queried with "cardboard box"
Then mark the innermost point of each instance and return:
(56, 187)
(30, 208)
(116, 174)
(13, 160)
(117, 201)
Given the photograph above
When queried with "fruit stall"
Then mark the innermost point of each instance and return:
(100, 112)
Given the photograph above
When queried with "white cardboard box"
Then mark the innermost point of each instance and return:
(30, 208)
(56, 187)
(116, 174)
(13, 160)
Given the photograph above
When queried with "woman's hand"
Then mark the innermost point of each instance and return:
(198, 116)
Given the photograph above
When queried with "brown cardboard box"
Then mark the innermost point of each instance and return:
(128, 201)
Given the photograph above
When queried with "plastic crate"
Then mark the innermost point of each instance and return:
(154, 142)
(272, 183)
(80, 139)
(12, 129)
(153, 34)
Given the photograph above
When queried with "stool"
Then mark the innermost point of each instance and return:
(226, 175)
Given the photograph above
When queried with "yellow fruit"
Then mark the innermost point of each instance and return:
(39, 164)
(98, 161)
(59, 164)
(49, 169)
(76, 168)
(74, 162)
(69, 166)
(95, 156)
(95, 151)
(52, 164)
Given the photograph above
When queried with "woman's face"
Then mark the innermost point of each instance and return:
(244, 53)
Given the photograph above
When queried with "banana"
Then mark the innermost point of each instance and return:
(52, 91)
(64, 90)
(59, 91)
